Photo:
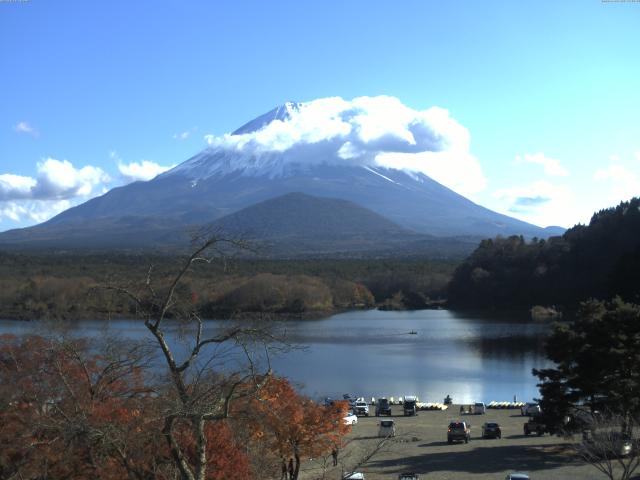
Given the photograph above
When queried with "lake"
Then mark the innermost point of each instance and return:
(371, 353)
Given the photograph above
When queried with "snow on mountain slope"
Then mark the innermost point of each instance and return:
(282, 113)
(366, 131)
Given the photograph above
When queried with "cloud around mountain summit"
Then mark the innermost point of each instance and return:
(369, 131)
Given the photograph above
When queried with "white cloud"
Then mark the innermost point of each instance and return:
(13, 211)
(58, 185)
(185, 134)
(25, 127)
(182, 135)
(374, 131)
(622, 182)
(144, 170)
(55, 180)
(58, 180)
(552, 167)
(541, 203)
(35, 211)
(15, 186)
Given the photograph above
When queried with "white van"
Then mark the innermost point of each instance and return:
(479, 408)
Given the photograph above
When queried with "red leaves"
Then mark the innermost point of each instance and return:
(66, 412)
(74, 414)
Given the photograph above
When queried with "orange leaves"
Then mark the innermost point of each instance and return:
(295, 424)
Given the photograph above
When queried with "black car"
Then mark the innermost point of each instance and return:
(491, 430)
(383, 407)
(534, 426)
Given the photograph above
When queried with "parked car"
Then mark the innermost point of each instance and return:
(350, 419)
(383, 407)
(491, 430)
(517, 476)
(530, 409)
(408, 476)
(409, 405)
(479, 408)
(354, 476)
(534, 426)
(459, 432)
(361, 408)
(387, 428)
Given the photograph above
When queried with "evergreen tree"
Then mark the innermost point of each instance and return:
(597, 359)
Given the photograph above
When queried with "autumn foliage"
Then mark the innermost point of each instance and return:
(69, 412)
(296, 427)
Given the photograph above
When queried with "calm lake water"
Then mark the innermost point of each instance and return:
(371, 353)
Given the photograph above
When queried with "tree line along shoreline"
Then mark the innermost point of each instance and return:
(73, 286)
(600, 260)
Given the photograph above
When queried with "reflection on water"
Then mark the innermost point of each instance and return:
(372, 353)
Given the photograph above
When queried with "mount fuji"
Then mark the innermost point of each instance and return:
(323, 152)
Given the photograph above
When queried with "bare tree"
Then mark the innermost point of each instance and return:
(608, 444)
(203, 386)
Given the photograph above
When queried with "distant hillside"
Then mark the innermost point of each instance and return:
(296, 224)
(293, 225)
(600, 260)
(296, 215)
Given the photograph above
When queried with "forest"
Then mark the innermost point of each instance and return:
(600, 260)
(72, 286)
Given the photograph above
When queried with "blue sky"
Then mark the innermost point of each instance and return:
(96, 94)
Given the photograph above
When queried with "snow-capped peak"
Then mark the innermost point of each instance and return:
(282, 112)
(365, 132)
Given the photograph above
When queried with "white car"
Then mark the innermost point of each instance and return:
(530, 409)
(361, 408)
(350, 419)
(354, 476)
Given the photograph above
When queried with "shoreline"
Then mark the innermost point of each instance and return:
(511, 313)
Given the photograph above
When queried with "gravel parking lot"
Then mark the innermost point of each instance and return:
(421, 446)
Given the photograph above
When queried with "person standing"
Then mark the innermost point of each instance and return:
(334, 454)
(291, 469)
